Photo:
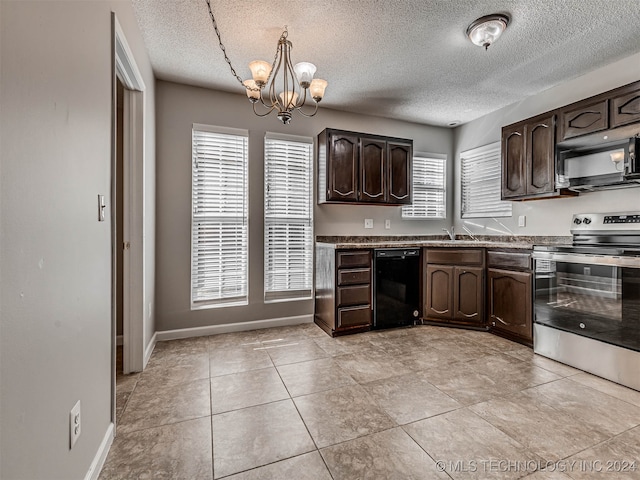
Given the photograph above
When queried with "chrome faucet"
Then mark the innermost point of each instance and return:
(451, 233)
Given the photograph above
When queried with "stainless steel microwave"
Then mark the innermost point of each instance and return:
(599, 167)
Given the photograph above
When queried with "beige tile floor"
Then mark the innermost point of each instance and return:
(417, 403)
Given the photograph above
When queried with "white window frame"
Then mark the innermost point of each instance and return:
(485, 180)
(290, 281)
(240, 264)
(419, 210)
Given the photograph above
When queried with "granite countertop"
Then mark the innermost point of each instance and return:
(487, 241)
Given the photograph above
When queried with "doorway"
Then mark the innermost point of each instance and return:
(127, 212)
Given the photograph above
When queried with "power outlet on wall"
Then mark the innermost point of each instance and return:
(522, 221)
(387, 224)
(75, 425)
(368, 223)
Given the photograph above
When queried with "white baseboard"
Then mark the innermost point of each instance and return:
(119, 340)
(232, 327)
(149, 350)
(101, 455)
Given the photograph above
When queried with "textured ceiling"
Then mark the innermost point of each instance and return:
(403, 59)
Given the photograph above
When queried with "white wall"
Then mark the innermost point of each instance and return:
(553, 216)
(55, 259)
(178, 107)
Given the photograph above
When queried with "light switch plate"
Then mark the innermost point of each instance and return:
(522, 221)
(387, 224)
(101, 206)
(368, 223)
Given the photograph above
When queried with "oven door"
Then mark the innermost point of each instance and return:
(595, 296)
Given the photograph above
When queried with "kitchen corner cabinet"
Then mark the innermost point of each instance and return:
(360, 168)
(509, 292)
(528, 158)
(454, 286)
(343, 290)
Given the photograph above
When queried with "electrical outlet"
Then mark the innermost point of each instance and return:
(75, 424)
(387, 224)
(522, 220)
(368, 223)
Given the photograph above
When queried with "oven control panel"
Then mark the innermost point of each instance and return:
(609, 222)
(622, 219)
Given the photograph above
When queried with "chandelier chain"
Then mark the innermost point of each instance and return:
(224, 51)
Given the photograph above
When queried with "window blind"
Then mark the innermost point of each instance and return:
(219, 225)
(429, 188)
(288, 218)
(481, 183)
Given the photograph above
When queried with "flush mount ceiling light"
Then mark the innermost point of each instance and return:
(290, 85)
(486, 30)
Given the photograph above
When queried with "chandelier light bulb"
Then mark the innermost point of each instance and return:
(260, 71)
(253, 91)
(305, 72)
(317, 88)
(289, 99)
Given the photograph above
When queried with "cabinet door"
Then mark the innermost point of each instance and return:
(625, 108)
(510, 303)
(439, 292)
(399, 172)
(513, 162)
(583, 119)
(468, 294)
(540, 145)
(373, 166)
(342, 168)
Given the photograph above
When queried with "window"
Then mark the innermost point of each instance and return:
(429, 192)
(288, 217)
(481, 175)
(219, 221)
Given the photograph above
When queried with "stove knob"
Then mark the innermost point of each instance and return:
(587, 221)
(577, 221)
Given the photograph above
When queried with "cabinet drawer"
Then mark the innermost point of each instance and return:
(354, 276)
(356, 295)
(519, 260)
(454, 256)
(353, 258)
(354, 316)
(584, 119)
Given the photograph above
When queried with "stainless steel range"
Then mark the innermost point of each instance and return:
(587, 297)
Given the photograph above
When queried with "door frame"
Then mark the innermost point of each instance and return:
(125, 68)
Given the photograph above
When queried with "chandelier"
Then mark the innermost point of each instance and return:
(279, 86)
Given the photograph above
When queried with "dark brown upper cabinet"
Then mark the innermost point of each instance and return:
(529, 146)
(528, 153)
(625, 106)
(373, 175)
(360, 168)
(513, 162)
(399, 157)
(583, 119)
(342, 177)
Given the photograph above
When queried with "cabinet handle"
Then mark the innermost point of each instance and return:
(500, 320)
(438, 311)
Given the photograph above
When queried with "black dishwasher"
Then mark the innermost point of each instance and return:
(396, 287)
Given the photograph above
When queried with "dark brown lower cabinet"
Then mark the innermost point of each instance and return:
(343, 290)
(454, 292)
(509, 309)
